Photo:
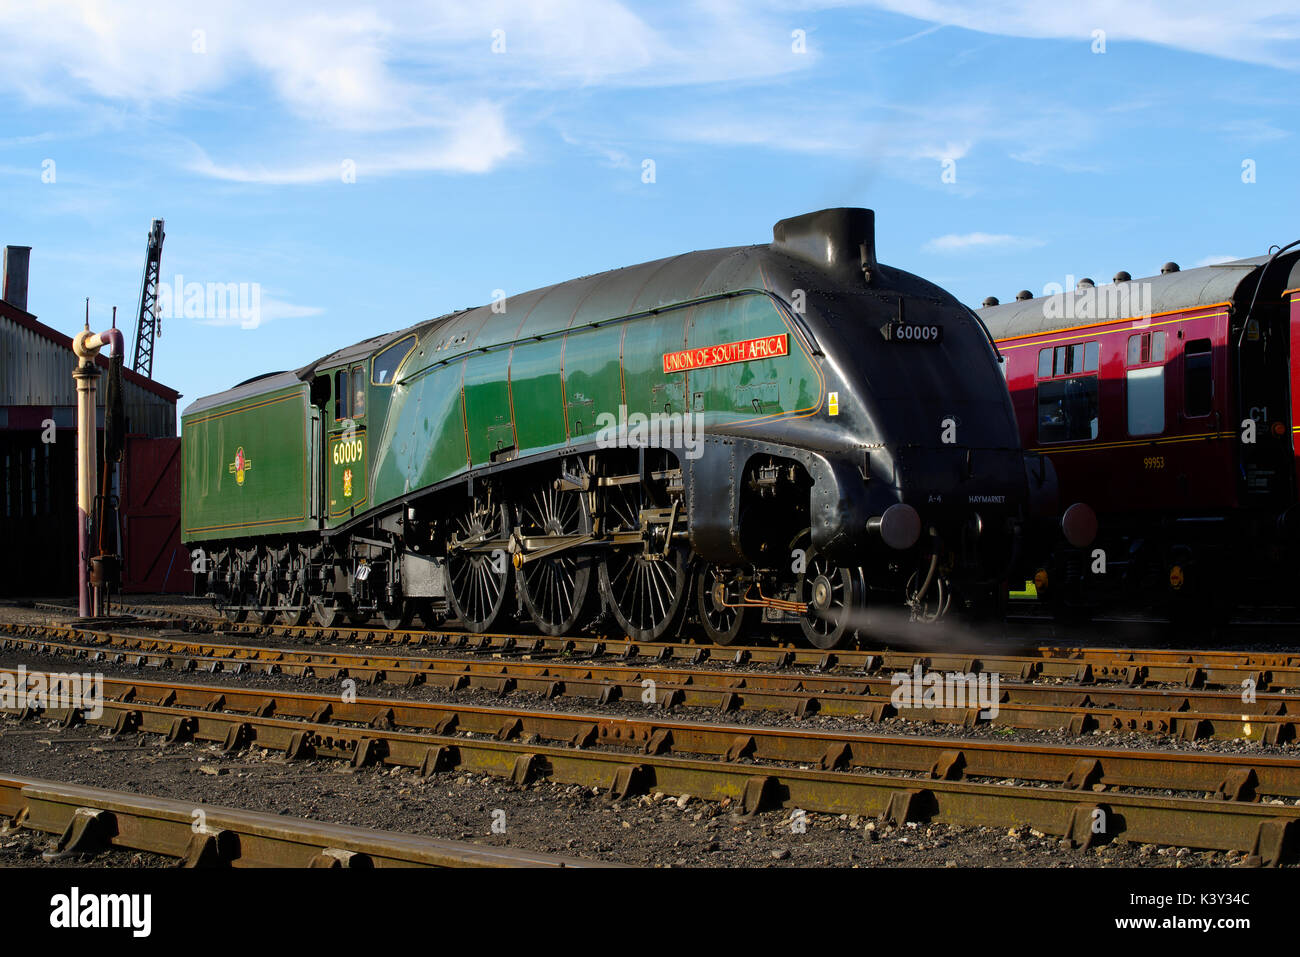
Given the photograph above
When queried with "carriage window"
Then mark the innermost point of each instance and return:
(1146, 347)
(1198, 378)
(384, 368)
(1146, 401)
(1067, 409)
(1068, 360)
(1135, 350)
(358, 391)
(341, 393)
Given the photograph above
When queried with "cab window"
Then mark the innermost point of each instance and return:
(383, 369)
(342, 392)
(358, 392)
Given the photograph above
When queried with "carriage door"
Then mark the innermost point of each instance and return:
(345, 446)
(1291, 299)
(1262, 371)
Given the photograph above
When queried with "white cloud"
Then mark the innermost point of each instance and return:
(1254, 131)
(399, 86)
(959, 242)
(268, 309)
(424, 73)
(390, 65)
(1215, 260)
(1263, 32)
(476, 143)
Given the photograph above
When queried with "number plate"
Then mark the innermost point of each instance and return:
(913, 332)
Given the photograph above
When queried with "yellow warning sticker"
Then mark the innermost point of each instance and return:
(833, 403)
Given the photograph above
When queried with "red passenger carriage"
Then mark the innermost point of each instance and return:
(1167, 405)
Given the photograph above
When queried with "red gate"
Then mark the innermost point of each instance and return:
(151, 517)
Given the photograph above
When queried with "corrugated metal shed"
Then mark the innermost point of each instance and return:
(36, 365)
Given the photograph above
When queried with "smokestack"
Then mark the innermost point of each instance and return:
(841, 238)
(14, 287)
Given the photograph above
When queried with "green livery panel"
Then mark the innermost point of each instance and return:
(348, 483)
(449, 413)
(474, 388)
(246, 467)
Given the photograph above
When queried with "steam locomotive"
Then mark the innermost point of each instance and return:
(790, 433)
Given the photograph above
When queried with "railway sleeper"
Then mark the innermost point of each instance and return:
(1141, 818)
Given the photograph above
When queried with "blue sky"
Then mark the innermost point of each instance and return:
(478, 170)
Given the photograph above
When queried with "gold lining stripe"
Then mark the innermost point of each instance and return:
(269, 521)
(1043, 342)
(1133, 443)
(245, 408)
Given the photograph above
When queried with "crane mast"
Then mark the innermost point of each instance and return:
(146, 326)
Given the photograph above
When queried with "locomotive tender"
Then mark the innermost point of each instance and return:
(1168, 404)
(789, 431)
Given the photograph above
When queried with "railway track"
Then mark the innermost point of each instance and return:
(1066, 791)
(1187, 713)
(1225, 669)
(1198, 667)
(89, 820)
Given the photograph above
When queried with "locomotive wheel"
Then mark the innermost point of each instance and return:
(835, 596)
(233, 602)
(933, 605)
(642, 585)
(479, 581)
(326, 612)
(293, 606)
(429, 616)
(645, 594)
(398, 618)
(724, 625)
(234, 614)
(268, 599)
(557, 591)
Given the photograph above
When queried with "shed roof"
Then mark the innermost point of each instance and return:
(28, 321)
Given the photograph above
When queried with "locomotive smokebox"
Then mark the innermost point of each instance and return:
(841, 239)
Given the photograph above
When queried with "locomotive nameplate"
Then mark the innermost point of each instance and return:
(746, 350)
(912, 332)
